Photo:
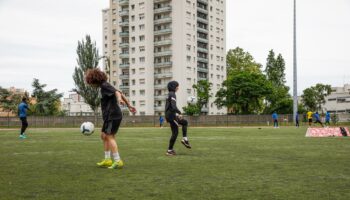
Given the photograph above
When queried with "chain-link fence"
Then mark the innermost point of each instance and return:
(153, 121)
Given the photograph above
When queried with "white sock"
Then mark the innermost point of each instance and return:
(185, 138)
(116, 156)
(107, 154)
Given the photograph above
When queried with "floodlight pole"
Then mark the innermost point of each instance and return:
(295, 74)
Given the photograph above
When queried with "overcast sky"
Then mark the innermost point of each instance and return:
(38, 38)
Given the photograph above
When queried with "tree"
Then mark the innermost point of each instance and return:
(244, 92)
(9, 101)
(314, 97)
(275, 68)
(192, 109)
(279, 99)
(88, 58)
(47, 102)
(239, 60)
(202, 88)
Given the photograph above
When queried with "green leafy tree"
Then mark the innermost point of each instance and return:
(279, 99)
(203, 88)
(192, 109)
(47, 102)
(244, 92)
(239, 60)
(88, 58)
(314, 97)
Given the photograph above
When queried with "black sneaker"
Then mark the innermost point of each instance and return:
(186, 143)
(170, 153)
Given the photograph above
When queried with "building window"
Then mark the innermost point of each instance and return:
(142, 38)
(142, 16)
(142, 48)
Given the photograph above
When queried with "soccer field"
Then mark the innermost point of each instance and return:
(225, 163)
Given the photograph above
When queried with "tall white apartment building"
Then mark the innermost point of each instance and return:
(151, 42)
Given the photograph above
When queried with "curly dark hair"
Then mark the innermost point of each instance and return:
(95, 77)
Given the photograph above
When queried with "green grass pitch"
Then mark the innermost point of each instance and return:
(225, 163)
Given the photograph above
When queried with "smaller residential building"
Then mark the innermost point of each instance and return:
(339, 100)
(74, 105)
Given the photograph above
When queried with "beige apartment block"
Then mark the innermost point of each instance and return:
(151, 42)
(339, 100)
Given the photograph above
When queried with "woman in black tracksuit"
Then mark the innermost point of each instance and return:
(170, 114)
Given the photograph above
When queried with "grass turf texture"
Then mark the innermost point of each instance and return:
(225, 163)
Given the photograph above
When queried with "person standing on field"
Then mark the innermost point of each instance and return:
(275, 119)
(22, 114)
(309, 117)
(111, 114)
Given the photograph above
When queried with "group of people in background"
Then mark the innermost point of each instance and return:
(311, 117)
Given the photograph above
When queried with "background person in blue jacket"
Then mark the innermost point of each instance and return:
(275, 119)
(318, 120)
(328, 119)
(22, 114)
(161, 121)
(297, 120)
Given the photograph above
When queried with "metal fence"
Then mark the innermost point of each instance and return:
(153, 121)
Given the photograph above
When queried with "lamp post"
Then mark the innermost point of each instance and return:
(295, 74)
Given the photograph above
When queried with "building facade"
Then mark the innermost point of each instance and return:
(74, 105)
(151, 42)
(339, 100)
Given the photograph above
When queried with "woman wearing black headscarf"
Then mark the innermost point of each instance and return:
(170, 114)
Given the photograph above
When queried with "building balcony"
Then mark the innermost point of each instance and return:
(203, 30)
(203, 1)
(199, 39)
(124, 76)
(160, 97)
(203, 50)
(124, 34)
(163, 65)
(162, 42)
(160, 1)
(159, 108)
(162, 20)
(123, 2)
(163, 53)
(162, 31)
(162, 9)
(124, 87)
(160, 87)
(124, 55)
(202, 79)
(124, 13)
(204, 21)
(200, 69)
(124, 45)
(163, 75)
(202, 10)
(204, 60)
(124, 23)
(124, 66)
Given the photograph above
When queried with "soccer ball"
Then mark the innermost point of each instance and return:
(87, 128)
(192, 100)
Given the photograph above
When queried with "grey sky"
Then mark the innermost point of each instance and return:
(38, 38)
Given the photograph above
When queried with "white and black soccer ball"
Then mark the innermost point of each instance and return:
(192, 100)
(87, 128)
